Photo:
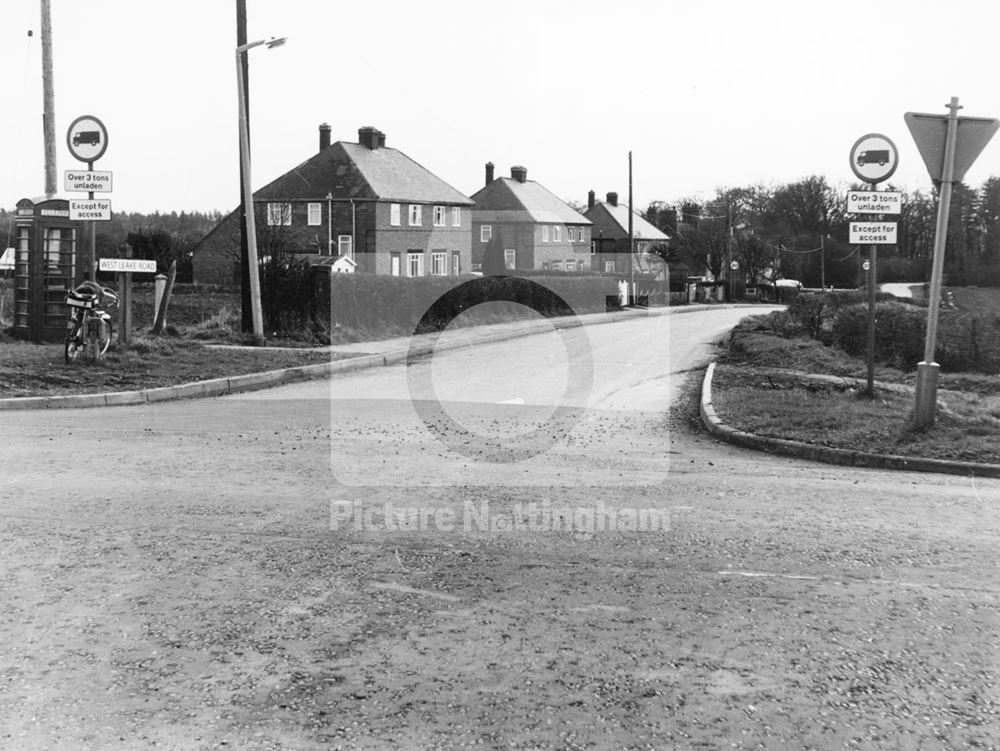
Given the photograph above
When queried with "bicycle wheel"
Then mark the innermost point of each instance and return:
(105, 340)
(74, 344)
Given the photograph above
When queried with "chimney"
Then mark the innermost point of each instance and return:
(324, 136)
(613, 199)
(591, 196)
(519, 173)
(489, 172)
(371, 138)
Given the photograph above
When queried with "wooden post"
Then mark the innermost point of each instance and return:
(125, 300)
(161, 314)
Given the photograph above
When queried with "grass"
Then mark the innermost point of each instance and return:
(762, 386)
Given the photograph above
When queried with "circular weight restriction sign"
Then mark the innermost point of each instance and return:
(874, 158)
(87, 138)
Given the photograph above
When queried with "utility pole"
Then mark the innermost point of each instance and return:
(631, 234)
(48, 104)
(246, 306)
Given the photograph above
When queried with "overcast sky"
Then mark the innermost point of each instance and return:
(705, 94)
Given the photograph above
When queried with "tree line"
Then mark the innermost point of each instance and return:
(800, 231)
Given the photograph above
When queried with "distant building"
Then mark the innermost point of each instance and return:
(538, 230)
(364, 202)
(611, 238)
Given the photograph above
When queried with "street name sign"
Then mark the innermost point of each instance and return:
(87, 182)
(90, 209)
(127, 265)
(874, 202)
(872, 233)
(874, 158)
(930, 131)
(87, 138)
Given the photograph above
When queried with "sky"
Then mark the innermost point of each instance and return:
(705, 95)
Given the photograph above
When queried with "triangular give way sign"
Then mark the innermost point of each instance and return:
(929, 131)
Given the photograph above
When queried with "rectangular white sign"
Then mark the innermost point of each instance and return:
(874, 202)
(127, 265)
(86, 181)
(873, 233)
(90, 210)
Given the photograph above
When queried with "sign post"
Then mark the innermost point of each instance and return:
(125, 266)
(873, 159)
(949, 145)
(87, 139)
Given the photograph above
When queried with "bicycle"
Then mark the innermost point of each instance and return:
(89, 326)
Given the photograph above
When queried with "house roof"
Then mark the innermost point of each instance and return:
(351, 170)
(509, 200)
(616, 217)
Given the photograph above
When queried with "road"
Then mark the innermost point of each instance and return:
(485, 548)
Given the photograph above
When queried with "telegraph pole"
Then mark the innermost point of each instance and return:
(631, 235)
(246, 306)
(48, 104)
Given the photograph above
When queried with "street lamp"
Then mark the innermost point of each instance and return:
(255, 309)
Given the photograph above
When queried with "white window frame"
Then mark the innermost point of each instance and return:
(509, 258)
(439, 263)
(394, 214)
(315, 214)
(555, 265)
(440, 216)
(345, 246)
(395, 264)
(557, 233)
(545, 233)
(456, 216)
(416, 215)
(279, 214)
(485, 233)
(609, 267)
(416, 258)
(456, 263)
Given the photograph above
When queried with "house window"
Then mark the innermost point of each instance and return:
(394, 264)
(439, 216)
(571, 265)
(415, 264)
(557, 234)
(415, 218)
(556, 265)
(439, 264)
(456, 216)
(593, 246)
(510, 258)
(456, 263)
(394, 219)
(279, 214)
(545, 233)
(345, 246)
(315, 214)
(609, 267)
(485, 233)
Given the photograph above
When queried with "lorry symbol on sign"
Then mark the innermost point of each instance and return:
(876, 156)
(92, 137)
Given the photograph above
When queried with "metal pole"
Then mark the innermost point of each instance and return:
(48, 105)
(246, 318)
(255, 307)
(927, 370)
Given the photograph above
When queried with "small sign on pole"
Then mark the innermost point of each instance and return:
(872, 233)
(90, 210)
(874, 202)
(128, 265)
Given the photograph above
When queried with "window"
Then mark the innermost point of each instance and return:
(415, 218)
(593, 246)
(394, 214)
(557, 234)
(415, 264)
(609, 267)
(456, 216)
(439, 263)
(439, 216)
(315, 214)
(456, 263)
(510, 258)
(545, 233)
(345, 246)
(395, 263)
(555, 265)
(571, 265)
(279, 214)
(485, 233)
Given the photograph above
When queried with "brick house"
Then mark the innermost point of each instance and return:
(360, 201)
(538, 230)
(611, 237)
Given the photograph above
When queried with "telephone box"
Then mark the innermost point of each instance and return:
(46, 265)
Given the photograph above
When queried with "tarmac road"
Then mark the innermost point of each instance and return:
(440, 556)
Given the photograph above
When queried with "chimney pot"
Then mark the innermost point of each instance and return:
(324, 136)
(519, 173)
(489, 172)
(370, 137)
(591, 198)
(613, 199)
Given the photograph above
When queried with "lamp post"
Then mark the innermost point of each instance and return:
(255, 308)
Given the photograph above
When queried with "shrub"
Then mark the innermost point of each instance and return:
(807, 311)
(899, 332)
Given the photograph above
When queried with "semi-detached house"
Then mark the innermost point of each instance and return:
(363, 201)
